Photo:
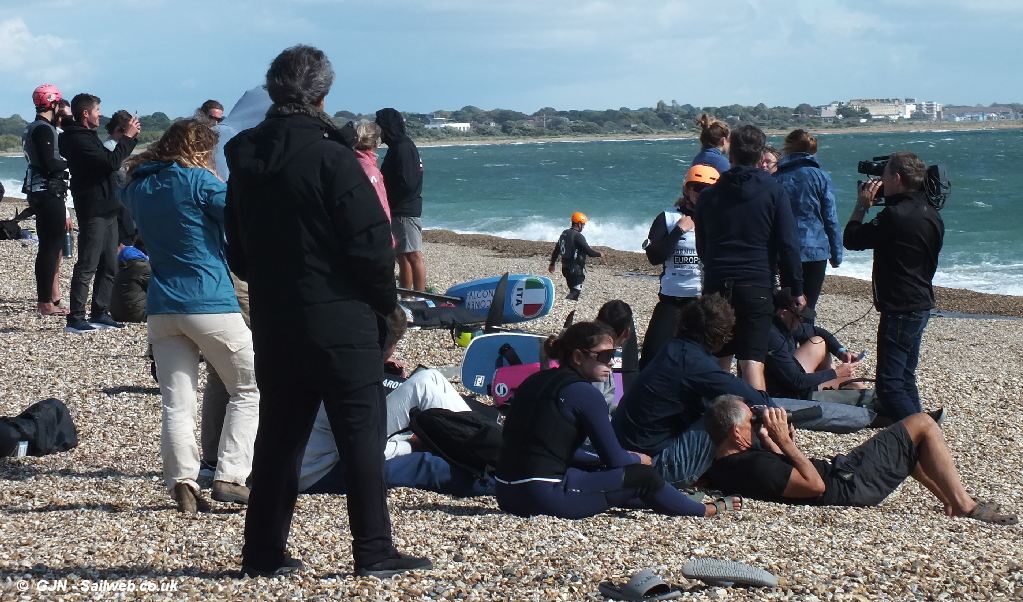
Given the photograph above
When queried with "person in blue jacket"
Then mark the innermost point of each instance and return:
(178, 204)
(661, 414)
(542, 469)
(714, 141)
(813, 206)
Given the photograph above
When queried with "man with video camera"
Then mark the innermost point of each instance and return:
(906, 238)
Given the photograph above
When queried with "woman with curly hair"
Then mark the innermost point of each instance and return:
(178, 203)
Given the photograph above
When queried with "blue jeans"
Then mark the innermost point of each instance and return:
(898, 351)
(687, 456)
(418, 470)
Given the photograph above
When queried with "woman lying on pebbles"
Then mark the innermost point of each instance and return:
(553, 413)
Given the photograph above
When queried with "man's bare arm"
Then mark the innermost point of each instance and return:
(805, 481)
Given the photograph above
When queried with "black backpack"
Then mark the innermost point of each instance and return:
(470, 440)
(45, 425)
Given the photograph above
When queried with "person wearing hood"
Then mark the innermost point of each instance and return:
(97, 206)
(743, 222)
(403, 177)
(813, 206)
(306, 231)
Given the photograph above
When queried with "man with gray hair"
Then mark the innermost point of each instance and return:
(321, 296)
(779, 471)
(906, 238)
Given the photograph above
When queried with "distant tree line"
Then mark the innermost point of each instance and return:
(662, 118)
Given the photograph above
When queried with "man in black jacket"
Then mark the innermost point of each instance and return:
(96, 206)
(306, 231)
(906, 237)
(743, 222)
(403, 178)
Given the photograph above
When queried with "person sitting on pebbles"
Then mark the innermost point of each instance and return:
(542, 469)
(779, 472)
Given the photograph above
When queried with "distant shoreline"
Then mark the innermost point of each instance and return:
(881, 128)
(927, 126)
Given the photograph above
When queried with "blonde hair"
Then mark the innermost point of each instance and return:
(713, 132)
(188, 142)
(367, 135)
(800, 141)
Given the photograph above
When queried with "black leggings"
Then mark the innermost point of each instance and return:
(663, 324)
(51, 227)
(813, 280)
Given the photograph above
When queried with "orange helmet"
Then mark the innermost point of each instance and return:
(703, 174)
(579, 218)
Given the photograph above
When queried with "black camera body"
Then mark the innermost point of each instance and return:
(794, 417)
(937, 186)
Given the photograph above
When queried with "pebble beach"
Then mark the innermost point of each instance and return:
(99, 514)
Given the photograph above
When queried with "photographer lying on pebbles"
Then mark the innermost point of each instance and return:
(780, 472)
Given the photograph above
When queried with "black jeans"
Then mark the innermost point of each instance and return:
(286, 416)
(97, 257)
(51, 222)
(813, 280)
(663, 324)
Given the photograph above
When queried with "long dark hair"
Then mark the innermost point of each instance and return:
(581, 335)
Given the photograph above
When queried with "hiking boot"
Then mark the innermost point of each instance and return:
(189, 500)
(288, 565)
(224, 491)
(78, 326)
(206, 472)
(104, 321)
(396, 565)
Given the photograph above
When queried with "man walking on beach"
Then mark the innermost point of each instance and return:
(573, 250)
(97, 206)
(742, 223)
(906, 238)
(321, 299)
(403, 179)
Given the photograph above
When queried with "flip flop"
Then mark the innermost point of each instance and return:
(644, 585)
(990, 512)
(726, 573)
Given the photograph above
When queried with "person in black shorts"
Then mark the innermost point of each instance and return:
(742, 222)
(780, 472)
(573, 250)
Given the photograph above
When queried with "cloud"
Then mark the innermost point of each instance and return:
(20, 49)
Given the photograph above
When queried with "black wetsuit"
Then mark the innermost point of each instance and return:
(46, 187)
(573, 250)
(540, 467)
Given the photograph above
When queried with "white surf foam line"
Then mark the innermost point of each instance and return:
(12, 188)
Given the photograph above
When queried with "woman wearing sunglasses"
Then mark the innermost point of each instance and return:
(542, 469)
(671, 242)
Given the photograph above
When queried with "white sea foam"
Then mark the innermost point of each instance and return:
(980, 204)
(12, 189)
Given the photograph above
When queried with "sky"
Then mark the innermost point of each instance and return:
(425, 55)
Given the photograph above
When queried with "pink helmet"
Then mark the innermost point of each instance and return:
(45, 96)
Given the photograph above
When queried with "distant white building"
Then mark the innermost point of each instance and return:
(884, 108)
(437, 123)
(933, 110)
(829, 112)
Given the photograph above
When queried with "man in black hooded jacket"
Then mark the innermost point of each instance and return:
(403, 178)
(306, 231)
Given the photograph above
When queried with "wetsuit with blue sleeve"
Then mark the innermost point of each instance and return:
(542, 471)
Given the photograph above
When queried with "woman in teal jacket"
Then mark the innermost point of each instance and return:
(813, 205)
(177, 201)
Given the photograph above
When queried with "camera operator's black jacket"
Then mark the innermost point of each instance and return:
(92, 169)
(906, 237)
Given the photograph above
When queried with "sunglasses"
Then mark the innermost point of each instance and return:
(217, 119)
(603, 357)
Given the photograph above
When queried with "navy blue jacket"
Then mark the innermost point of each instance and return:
(672, 393)
(741, 223)
(712, 155)
(813, 205)
(784, 374)
(402, 168)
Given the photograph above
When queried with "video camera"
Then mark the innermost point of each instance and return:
(796, 417)
(936, 187)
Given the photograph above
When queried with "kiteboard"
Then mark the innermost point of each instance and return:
(488, 352)
(527, 297)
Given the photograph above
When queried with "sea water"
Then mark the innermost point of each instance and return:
(529, 190)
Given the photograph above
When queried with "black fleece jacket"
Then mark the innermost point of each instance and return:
(402, 167)
(92, 169)
(741, 223)
(305, 229)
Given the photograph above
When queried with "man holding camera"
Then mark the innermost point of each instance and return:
(906, 238)
(778, 471)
